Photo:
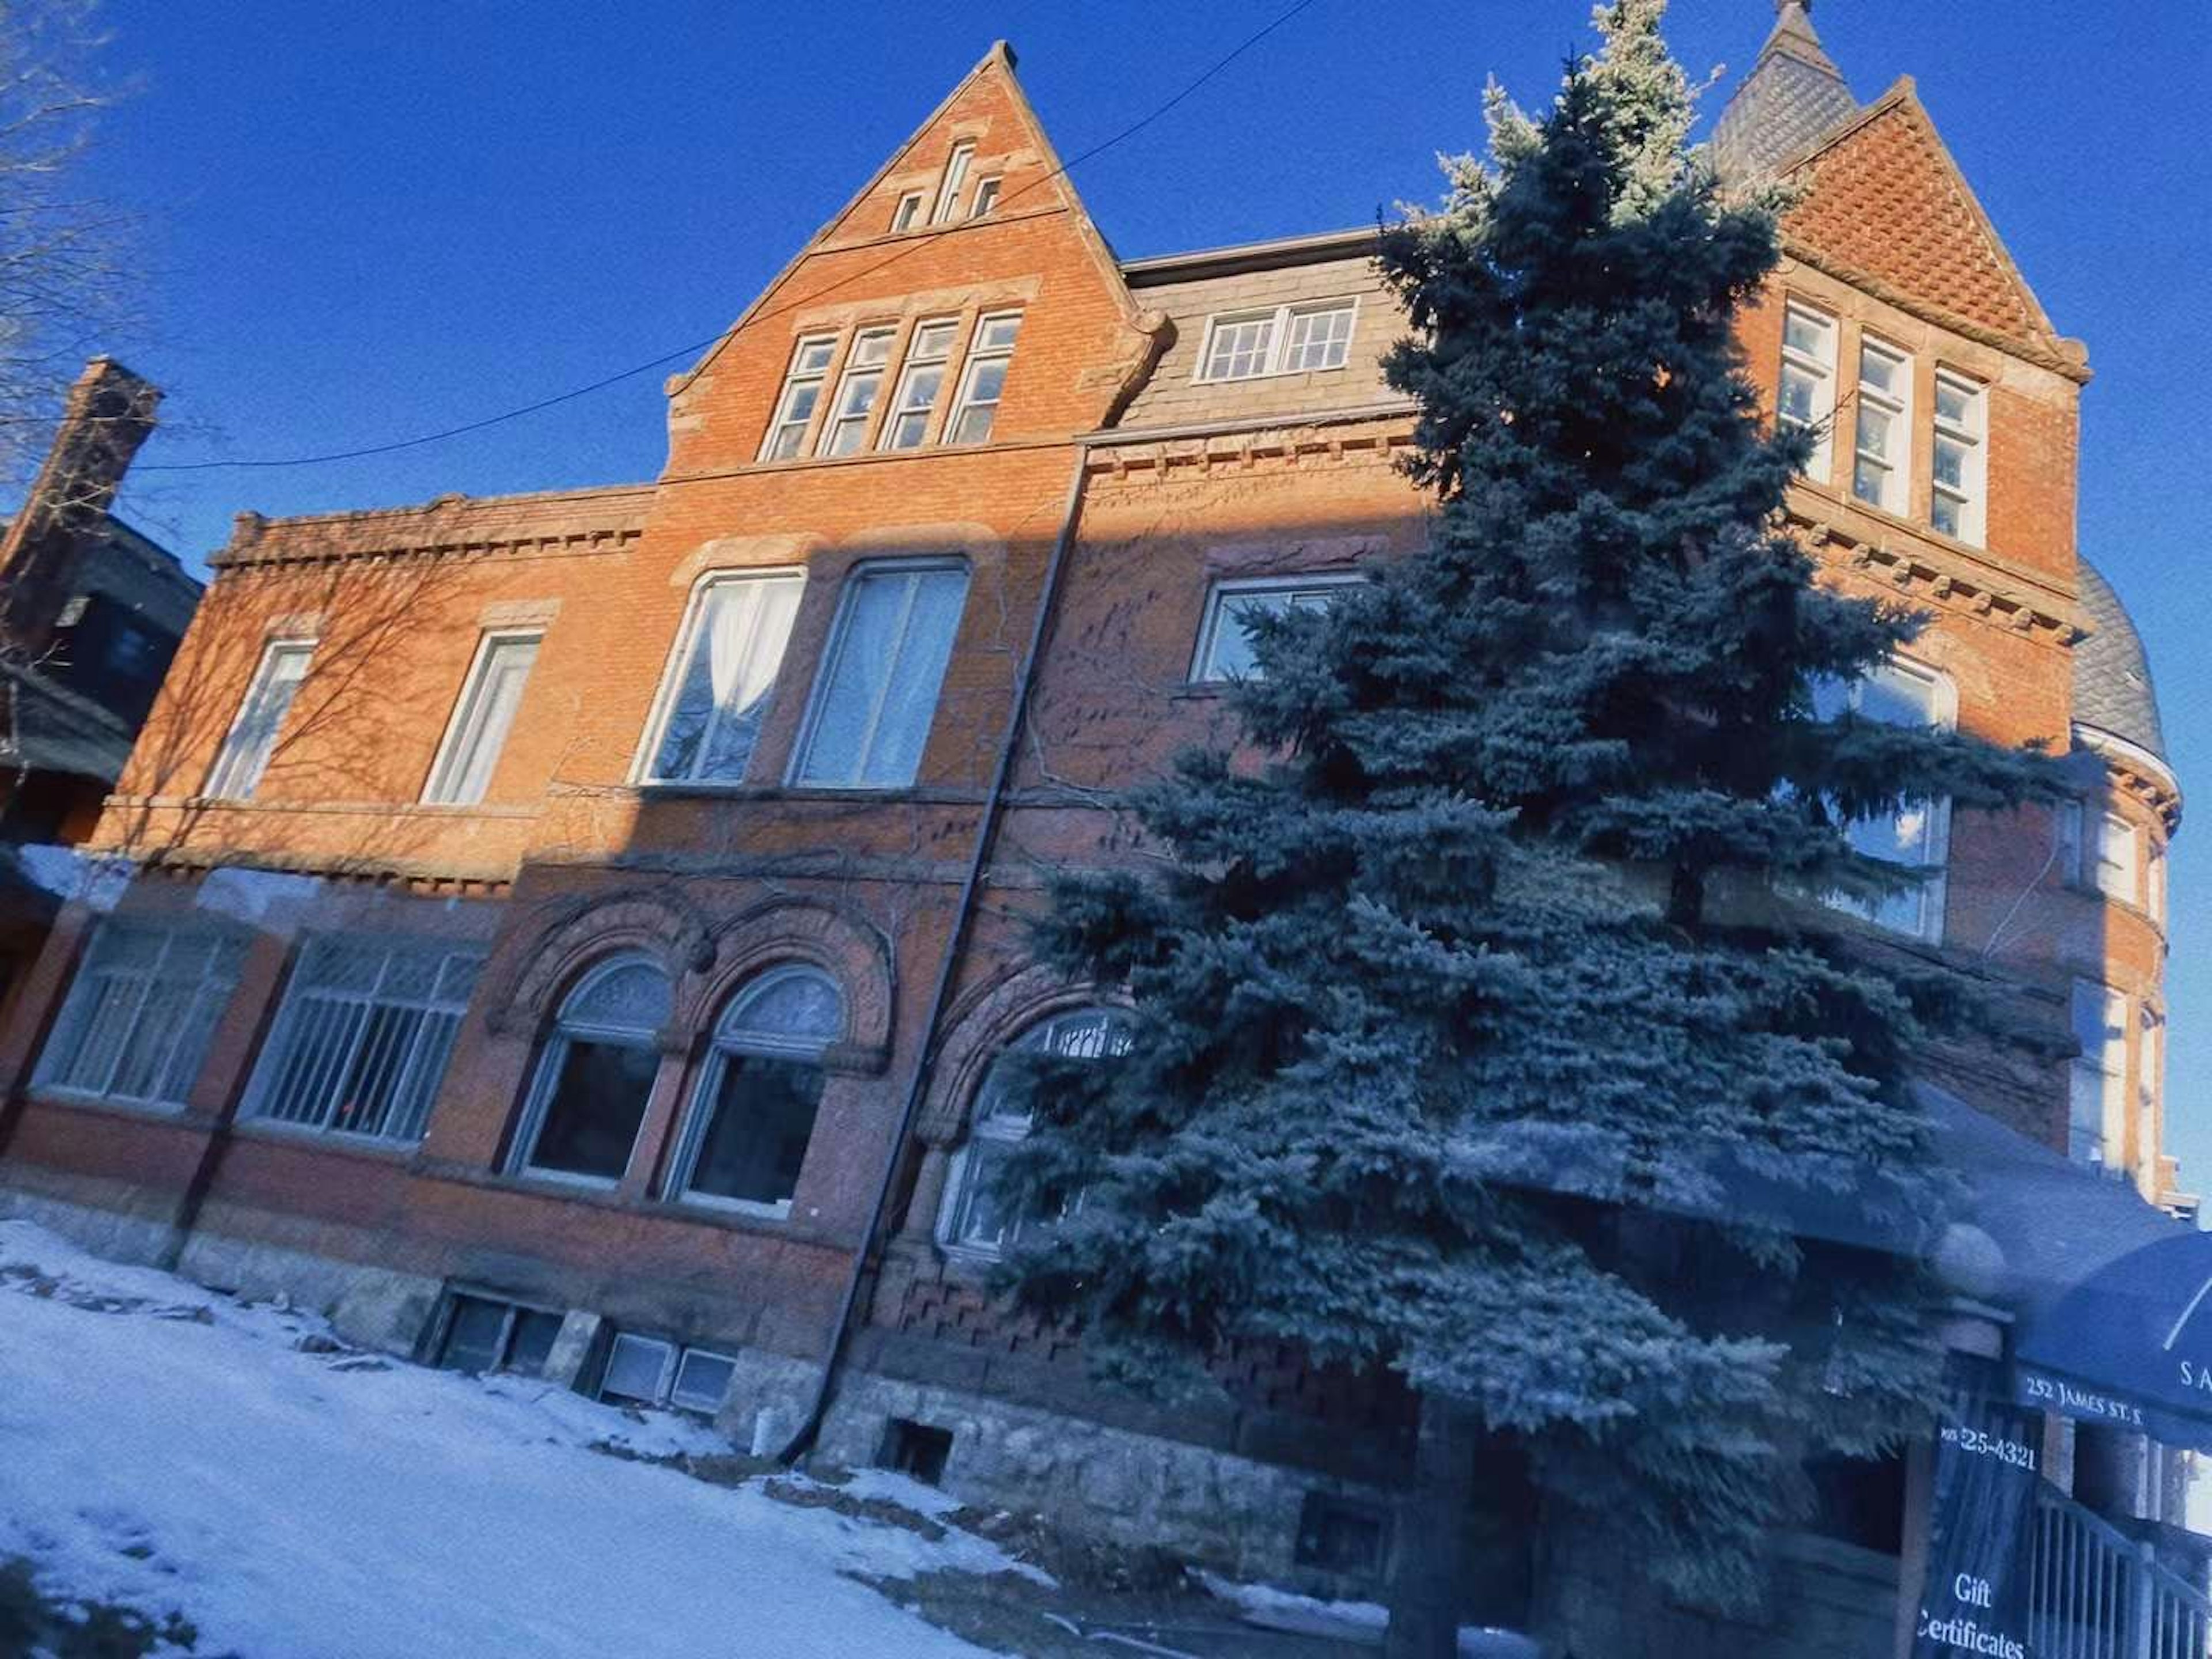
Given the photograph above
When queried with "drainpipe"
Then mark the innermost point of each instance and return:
(963, 917)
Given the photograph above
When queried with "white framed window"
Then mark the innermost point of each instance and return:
(2154, 871)
(907, 213)
(140, 1012)
(954, 181)
(648, 1370)
(876, 695)
(975, 1221)
(1960, 458)
(1225, 640)
(2066, 840)
(482, 718)
(1806, 393)
(1898, 693)
(1882, 474)
(363, 1039)
(595, 1074)
(802, 391)
(847, 429)
(2097, 1115)
(2150, 1083)
(752, 1113)
(987, 199)
(2118, 870)
(983, 382)
(920, 381)
(251, 740)
(722, 676)
(1287, 340)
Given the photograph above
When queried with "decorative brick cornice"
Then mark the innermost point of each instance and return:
(1277, 448)
(1927, 579)
(550, 544)
(2135, 771)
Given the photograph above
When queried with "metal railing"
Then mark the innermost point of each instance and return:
(2094, 1593)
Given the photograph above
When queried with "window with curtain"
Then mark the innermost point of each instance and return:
(252, 741)
(876, 695)
(975, 1221)
(753, 1112)
(596, 1073)
(481, 719)
(140, 1012)
(721, 676)
(362, 1042)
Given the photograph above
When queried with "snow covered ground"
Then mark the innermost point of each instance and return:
(169, 1448)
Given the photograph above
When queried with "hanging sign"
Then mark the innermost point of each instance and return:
(1974, 1599)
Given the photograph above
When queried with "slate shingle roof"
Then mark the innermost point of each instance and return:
(1793, 94)
(2112, 689)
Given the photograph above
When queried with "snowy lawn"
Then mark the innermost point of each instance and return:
(167, 1449)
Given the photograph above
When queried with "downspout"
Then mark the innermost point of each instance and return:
(963, 920)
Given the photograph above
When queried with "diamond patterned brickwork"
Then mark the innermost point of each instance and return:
(1886, 202)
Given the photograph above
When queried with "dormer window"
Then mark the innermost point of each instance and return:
(955, 181)
(1288, 340)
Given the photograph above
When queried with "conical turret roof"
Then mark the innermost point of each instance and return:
(1793, 94)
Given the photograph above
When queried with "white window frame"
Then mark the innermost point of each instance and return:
(439, 789)
(2102, 1074)
(1934, 890)
(2150, 1088)
(907, 215)
(917, 361)
(552, 1052)
(643, 768)
(1221, 593)
(341, 1018)
(868, 362)
(236, 774)
(2120, 878)
(1894, 462)
(99, 987)
(952, 182)
(1819, 368)
(727, 1044)
(832, 657)
(979, 355)
(1971, 494)
(2155, 879)
(798, 378)
(1004, 1130)
(1276, 348)
(986, 199)
(674, 1358)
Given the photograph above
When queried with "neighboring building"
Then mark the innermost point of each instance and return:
(91, 613)
(552, 905)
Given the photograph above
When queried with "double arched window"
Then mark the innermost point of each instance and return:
(596, 1073)
(753, 1111)
(975, 1222)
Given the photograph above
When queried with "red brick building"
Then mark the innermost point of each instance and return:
(568, 931)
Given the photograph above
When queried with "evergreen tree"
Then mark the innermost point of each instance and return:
(1492, 1030)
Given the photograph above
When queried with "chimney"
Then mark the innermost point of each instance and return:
(108, 416)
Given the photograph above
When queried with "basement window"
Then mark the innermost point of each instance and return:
(1342, 1535)
(918, 1449)
(648, 1370)
(482, 1334)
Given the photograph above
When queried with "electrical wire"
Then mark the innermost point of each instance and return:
(694, 349)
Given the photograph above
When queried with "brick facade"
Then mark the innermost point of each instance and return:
(1112, 460)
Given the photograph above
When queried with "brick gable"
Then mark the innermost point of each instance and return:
(1886, 207)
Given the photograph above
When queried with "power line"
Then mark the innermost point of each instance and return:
(696, 348)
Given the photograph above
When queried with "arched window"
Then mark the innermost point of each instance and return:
(974, 1221)
(753, 1112)
(595, 1074)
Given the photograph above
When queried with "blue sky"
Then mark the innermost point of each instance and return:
(365, 222)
